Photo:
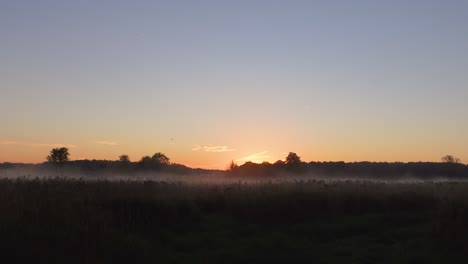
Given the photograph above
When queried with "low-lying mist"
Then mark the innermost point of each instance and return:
(150, 169)
(214, 177)
(152, 215)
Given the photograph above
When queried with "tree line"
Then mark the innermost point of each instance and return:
(449, 166)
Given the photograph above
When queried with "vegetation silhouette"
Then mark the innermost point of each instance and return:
(74, 221)
(58, 156)
(450, 159)
(294, 164)
(365, 169)
(160, 158)
(124, 158)
(156, 162)
(450, 167)
(232, 167)
(299, 221)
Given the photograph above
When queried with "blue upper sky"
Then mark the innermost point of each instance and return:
(331, 80)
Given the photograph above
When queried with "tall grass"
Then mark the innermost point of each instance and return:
(175, 222)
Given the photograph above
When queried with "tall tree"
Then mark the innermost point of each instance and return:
(160, 158)
(157, 161)
(58, 156)
(232, 167)
(293, 163)
(124, 158)
(293, 159)
(450, 159)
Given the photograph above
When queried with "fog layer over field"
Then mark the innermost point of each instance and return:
(148, 217)
(208, 177)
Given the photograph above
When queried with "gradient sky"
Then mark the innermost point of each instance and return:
(207, 82)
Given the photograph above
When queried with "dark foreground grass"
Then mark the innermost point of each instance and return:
(70, 221)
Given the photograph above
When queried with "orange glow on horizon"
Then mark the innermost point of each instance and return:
(212, 156)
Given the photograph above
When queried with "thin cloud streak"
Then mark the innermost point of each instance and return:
(107, 143)
(255, 157)
(8, 142)
(50, 145)
(32, 144)
(211, 148)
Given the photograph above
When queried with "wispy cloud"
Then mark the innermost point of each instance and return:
(257, 157)
(50, 145)
(211, 148)
(33, 144)
(107, 143)
(8, 142)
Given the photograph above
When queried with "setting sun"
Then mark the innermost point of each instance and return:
(233, 131)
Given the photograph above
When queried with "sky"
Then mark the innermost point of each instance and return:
(207, 82)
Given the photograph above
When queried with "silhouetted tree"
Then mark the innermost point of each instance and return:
(278, 164)
(293, 163)
(450, 159)
(232, 168)
(160, 158)
(58, 155)
(146, 162)
(145, 159)
(157, 161)
(293, 159)
(124, 158)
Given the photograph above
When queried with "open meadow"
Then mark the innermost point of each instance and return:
(259, 131)
(260, 221)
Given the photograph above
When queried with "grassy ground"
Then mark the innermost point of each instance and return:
(58, 221)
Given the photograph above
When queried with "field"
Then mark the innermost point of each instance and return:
(300, 221)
